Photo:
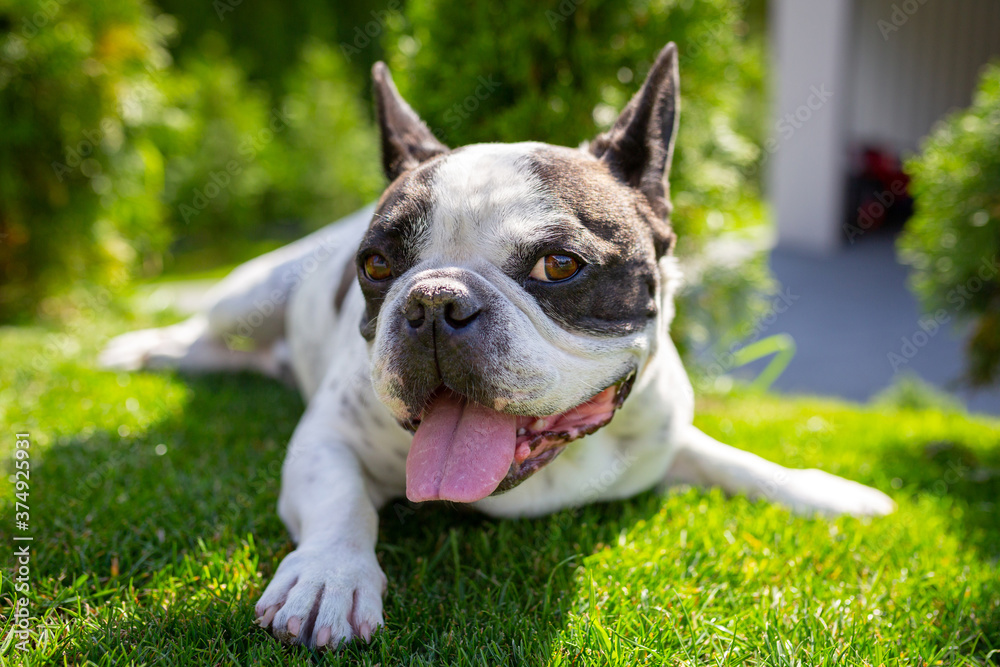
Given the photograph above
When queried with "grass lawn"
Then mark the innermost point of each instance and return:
(152, 506)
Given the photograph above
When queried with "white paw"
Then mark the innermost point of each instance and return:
(814, 491)
(149, 348)
(322, 596)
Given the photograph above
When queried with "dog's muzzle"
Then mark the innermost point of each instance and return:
(449, 330)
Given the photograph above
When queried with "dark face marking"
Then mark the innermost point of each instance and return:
(400, 219)
(613, 233)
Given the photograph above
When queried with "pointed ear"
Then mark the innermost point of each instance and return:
(406, 141)
(640, 145)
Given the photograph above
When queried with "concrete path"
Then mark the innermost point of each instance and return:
(853, 310)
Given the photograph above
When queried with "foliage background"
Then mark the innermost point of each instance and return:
(953, 241)
(141, 138)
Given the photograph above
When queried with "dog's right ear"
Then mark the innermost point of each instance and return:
(640, 145)
(406, 141)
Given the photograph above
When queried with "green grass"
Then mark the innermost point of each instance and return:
(153, 510)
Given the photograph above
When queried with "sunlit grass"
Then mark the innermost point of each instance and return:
(153, 511)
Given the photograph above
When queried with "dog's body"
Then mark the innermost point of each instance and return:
(510, 297)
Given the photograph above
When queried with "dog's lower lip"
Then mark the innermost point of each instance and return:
(536, 435)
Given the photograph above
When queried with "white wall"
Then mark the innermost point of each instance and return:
(809, 44)
(914, 63)
(894, 68)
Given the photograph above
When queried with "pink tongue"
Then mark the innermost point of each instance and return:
(461, 451)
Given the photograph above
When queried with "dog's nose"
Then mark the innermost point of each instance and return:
(446, 306)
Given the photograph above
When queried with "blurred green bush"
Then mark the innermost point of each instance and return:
(240, 158)
(111, 148)
(79, 175)
(559, 71)
(953, 241)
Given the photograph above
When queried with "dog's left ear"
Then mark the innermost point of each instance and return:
(406, 141)
(640, 145)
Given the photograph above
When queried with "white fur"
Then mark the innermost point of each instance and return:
(484, 198)
(347, 455)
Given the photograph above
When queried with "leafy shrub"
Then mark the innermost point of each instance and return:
(111, 150)
(953, 241)
(239, 161)
(248, 121)
(78, 173)
(559, 70)
(328, 163)
(211, 134)
(266, 38)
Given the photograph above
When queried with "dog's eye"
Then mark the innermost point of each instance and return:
(377, 267)
(555, 268)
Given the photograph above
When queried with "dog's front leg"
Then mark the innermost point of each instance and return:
(704, 461)
(330, 588)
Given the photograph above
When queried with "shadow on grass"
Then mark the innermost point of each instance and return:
(958, 474)
(128, 510)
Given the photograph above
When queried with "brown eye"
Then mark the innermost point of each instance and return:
(555, 268)
(377, 267)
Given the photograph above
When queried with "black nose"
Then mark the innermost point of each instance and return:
(444, 306)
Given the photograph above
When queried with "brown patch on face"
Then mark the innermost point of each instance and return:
(615, 293)
(600, 201)
(396, 232)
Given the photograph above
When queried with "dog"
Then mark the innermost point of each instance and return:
(494, 331)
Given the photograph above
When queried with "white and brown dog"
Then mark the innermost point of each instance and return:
(514, 302)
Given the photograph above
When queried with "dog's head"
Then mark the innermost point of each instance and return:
(514, 291)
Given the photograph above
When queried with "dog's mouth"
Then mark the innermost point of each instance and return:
(464, 452)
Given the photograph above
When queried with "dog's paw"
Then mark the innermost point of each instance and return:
(321, 597)
(149, 348)
(814, 491)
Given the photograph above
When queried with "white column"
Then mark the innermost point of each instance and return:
(810, 44)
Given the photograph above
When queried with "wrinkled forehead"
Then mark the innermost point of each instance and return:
(489, 200)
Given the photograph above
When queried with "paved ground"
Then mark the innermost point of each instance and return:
(853, 310)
